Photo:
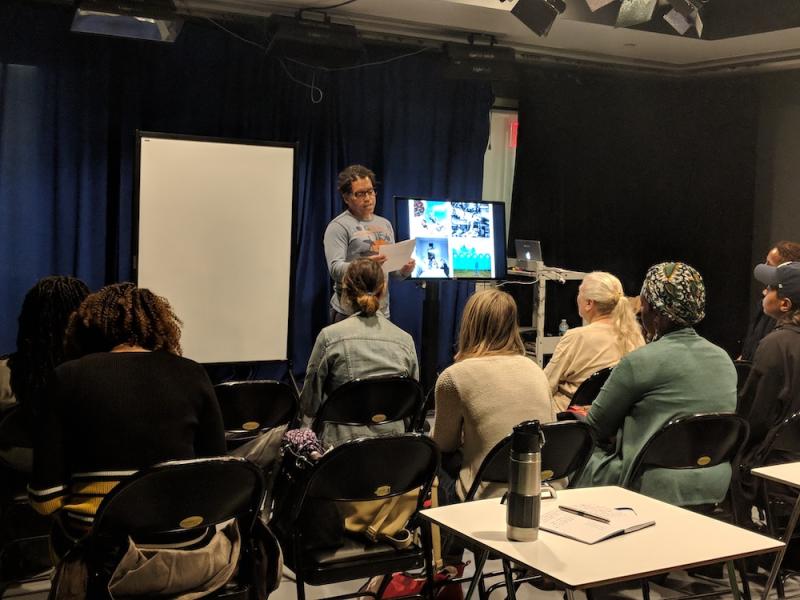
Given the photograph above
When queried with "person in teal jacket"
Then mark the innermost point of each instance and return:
(677, 373)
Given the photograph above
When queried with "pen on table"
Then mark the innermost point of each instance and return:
(584, 514)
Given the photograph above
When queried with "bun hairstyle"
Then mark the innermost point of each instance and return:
(609, 298)
(363, 286)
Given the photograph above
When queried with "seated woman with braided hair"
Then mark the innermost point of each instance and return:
(129, 402)
(676, 373)
(42, 326)
(365, 344)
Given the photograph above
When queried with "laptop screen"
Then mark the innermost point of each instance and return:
(528, 250)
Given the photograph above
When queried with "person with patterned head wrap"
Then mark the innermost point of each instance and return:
(677, 373)
(676, 292)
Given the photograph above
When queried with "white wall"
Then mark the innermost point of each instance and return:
(498, 162)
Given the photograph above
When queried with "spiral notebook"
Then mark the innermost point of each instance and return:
(592, 523)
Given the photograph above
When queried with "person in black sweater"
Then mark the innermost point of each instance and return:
(762, 324)
(129, 402)
(772, 390)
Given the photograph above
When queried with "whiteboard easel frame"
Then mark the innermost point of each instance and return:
(293, 250)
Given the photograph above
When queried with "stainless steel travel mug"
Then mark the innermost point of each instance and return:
(525, 481)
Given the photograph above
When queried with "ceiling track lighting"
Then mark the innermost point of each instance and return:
(538, 15)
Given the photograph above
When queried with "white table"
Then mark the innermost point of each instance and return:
(680, 539)
(787, 474)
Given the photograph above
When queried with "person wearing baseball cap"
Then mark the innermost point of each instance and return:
(772, 390)
(761, 323)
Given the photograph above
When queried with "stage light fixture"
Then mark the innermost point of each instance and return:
(153, 20)
(595, 5)
(686, 14)
(635, 12)
(538, 15)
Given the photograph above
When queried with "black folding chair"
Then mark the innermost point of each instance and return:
(693, 442)
(373, 401)
(743, 368)
(361, 469)
(177, 497)
(24, 533)
(781, 445)
(250, 408)
(566, 450)
(590, 388)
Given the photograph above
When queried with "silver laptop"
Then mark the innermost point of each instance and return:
(529, 254)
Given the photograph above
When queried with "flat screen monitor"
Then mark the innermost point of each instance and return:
(454, 240)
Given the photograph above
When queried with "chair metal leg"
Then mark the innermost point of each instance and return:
(645, 589)
(298, 574)
(511, 592)
(427, 548)
(482, 593)
(732, 579)
(742, 568)
(787, 536)
(480, 561)
(779, 587)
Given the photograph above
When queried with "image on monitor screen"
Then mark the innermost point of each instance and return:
(454, 240)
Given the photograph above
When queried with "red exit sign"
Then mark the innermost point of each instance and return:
(513, 128)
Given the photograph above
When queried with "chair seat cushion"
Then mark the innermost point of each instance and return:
(355, 548)
(354, 560)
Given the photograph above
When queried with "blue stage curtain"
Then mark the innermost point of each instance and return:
(422, 134)
(52, 160)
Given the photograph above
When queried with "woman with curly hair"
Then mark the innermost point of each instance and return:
(129, 402)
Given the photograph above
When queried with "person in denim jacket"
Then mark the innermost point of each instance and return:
(365, 344)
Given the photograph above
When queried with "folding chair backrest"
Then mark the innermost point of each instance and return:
(252, 407)
(743, 368)
(14, 432)
(372, 401)
(785, 437)
(590, 388)
(374, 468)
(493, 469)
(692, 442)
(182, 495)
(566, 449)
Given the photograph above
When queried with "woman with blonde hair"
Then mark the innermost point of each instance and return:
(491, 387)
(365, 344)
(611, 332)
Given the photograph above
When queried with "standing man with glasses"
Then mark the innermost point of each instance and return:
(357, 233)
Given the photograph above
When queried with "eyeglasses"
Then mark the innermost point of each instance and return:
(362, 194)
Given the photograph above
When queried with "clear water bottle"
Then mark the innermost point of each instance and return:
(524, 482)
(563, 327)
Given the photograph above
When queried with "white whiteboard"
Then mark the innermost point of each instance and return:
(215, 238)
